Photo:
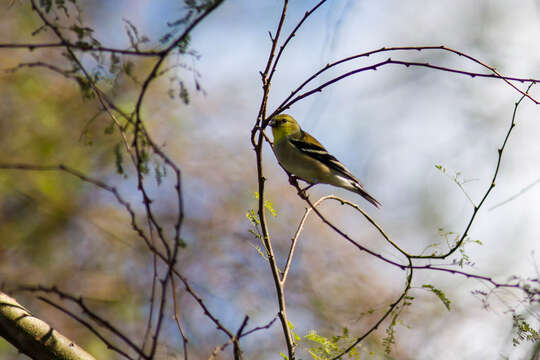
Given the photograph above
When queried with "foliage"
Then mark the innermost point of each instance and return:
(440, 294)
(523, 330)
(328, 348)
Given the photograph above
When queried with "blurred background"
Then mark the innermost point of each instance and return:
(390, 127)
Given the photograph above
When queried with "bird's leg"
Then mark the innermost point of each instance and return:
(293, 180)
(302, 192)
(307, 187)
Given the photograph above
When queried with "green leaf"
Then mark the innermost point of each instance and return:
(524, 332)
(441, 295)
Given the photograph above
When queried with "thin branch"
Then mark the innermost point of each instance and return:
(521, 286)
(494, 74)
(343, 202)
(282, 313)
(237, 351)
(289, 38)
(177, 319)
(239, 334)
(489, 189)
(87, 325)
(258, 328)
(391, 308)
(219, 349)
(265, 82)
(80, 47)
(203, 306)
(100, 184)
(64, 72)
(288, 103)
(79, 301)
(513, 197)
(294, 240)
(153, 292)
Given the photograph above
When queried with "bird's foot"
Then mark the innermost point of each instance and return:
(293, 180)
(303, 193)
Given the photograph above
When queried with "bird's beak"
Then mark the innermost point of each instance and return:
(272, 123)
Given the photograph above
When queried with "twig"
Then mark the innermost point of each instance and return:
(513, 197)
(79, 301)
(383, 317)
(81, 47)
(287, 104)
(494, 74)
(258, 328)
(236, 342)
(177, 319)
(489, 189)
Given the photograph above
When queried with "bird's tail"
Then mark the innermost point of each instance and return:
(358, 189)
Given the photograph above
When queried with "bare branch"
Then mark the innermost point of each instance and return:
(489, 189)
(81, 47)
(34, 337)
(79, 301)
(493, 72)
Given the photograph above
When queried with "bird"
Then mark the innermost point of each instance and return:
(303, 156)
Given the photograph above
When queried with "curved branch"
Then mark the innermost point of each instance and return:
(288, 103)
(391, 308)
(490, 187)
(494, 73)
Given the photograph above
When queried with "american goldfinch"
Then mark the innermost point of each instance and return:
(303, 156)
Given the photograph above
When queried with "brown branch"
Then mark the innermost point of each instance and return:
(289, 38)
(489, 189)
(64, 72)
(34, 337)
(265, 236)
(79, 301)
(258, 328)
(494, 73)
(152, 294)
(288, 103)
(177, 319)
(87, 325)
(236, 342)
(139, 231)
(521, 286)
(146, 200)
(201, 303)
(265, 81)
(391, 308)
(81, 47)
(98, 183)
